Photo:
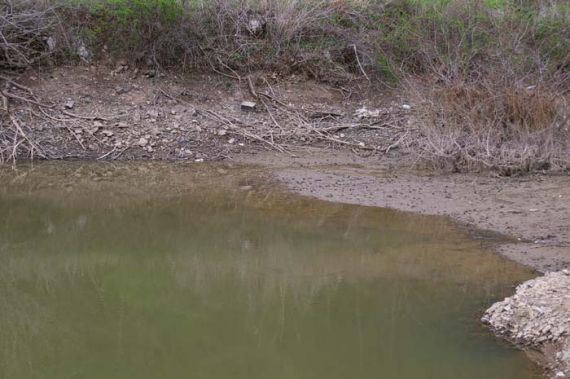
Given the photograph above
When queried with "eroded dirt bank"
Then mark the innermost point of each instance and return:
(98, 113)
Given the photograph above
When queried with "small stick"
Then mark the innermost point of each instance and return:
(76, 136)
(398, 142)
(275, 100)
(15, 84)
(121, 152)
(229, 68)
(271, 115)
(90, 118)
(19, 129)
(107, 154)
(226, 75)
(251, 87)
(11, 95)
(4, 102)
(359, 64)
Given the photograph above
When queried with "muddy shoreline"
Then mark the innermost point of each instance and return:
(533, 213)
(120, 114)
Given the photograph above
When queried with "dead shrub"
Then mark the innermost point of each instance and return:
(490, 125)
(490, 86)
(285, 36)
(24, 32)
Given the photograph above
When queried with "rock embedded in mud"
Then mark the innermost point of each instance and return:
(122, 89)
(143, 142)
(538, 317)
(69, 104)
(92, 130)
(364, 112)
(153, 114)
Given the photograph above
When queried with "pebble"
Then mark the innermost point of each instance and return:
(248, 106)
(143, 142)
(121, 89)
(153, 114)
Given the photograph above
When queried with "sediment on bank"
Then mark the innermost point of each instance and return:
(485, 83)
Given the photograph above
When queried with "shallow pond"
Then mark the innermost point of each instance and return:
(209, 271)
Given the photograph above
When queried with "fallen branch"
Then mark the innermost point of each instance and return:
(32, 144)
(360, 64)
(91, 118)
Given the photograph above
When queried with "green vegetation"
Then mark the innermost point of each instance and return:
(409, 36)
(444, 37)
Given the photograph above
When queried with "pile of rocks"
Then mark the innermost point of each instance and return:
(538, 317)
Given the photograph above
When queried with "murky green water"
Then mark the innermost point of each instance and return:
(164, 271)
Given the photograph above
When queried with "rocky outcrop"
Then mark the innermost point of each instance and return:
(537, 318)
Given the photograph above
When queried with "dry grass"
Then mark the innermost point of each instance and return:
(24, 29)
(493, 126)
(491, 87)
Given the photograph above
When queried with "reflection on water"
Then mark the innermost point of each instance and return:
(181, 271)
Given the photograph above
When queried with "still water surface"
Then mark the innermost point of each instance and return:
(208, 272)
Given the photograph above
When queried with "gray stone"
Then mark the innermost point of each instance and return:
(122, 89)
(143, 142)
(69, 104)
(248, 106)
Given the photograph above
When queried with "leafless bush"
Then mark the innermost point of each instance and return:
(491, 125)
(490, 87)
(24, 32)
(227, 36)
(285, 36)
